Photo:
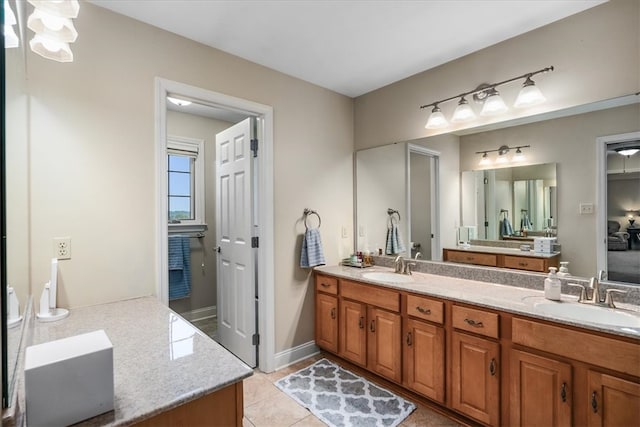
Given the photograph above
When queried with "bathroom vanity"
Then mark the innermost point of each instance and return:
(166, 372)
(494, 354)
(502, 257)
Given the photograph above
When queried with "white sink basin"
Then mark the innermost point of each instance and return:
(388, 277)
(590, 313)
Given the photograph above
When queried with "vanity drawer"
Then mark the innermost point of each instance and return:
(372, 295)
(490, 260)
(326, 284)
(425, 308)
(524, 263)
(477, 321)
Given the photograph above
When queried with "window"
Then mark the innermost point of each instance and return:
(185, 178)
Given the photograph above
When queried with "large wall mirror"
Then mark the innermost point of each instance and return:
(557, 177)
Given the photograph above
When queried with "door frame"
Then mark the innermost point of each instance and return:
(266, 267)
(601, 194)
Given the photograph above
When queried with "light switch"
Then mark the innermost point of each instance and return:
(586, 208)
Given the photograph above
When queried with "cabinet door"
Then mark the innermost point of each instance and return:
(353, 335)
(385, 343)
(424, 359)
(475, 377)
(327, 322)
(612, 401)
(540, 391)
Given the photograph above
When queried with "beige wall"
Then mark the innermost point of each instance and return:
(596, 54)
(203, 257)
(93, 166)
(571, 142)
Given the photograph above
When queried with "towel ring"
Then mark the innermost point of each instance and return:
(391, 212)
(306, 214)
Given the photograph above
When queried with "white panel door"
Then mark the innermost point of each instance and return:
(236, 303)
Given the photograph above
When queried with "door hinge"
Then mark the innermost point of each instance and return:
(255, 242)
(255, 339)
(254, 147)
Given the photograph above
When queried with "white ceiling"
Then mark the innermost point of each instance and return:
(351, 47)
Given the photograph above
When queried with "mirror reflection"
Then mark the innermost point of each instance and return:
(513, 203)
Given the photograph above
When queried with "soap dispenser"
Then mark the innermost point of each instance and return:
(552, 285)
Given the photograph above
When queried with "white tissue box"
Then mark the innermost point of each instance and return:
(69, 380)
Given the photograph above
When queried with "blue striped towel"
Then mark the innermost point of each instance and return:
(179, 267)
(311, 254)
(394, 242)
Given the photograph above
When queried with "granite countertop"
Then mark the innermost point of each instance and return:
(505, 251)
(507, 298)
(160, 360)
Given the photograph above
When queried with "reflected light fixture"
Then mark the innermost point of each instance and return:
(51, 22)
(518, 156)
(52, 27)
(178, 102)
(60, 8)
(493, 103)
(463, 112)
(630, 216)
(529, 95)
(485, 159)
(627, 151)
(436, 119)
(51, 49)
(11, 39)
(502, 154)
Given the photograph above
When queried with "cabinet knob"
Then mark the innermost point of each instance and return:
(324, 285)
(423, 310)
(493, 367)
(409, 342)
(473, 323)
(333, 313)
(563, 392)
(594, 402)
(372, 326)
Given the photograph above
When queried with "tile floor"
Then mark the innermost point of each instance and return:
(266, 406)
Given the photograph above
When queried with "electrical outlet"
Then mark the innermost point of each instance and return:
(586, 208)
(62, 247)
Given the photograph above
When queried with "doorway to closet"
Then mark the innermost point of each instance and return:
(215, 205)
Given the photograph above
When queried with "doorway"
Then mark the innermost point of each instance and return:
(203, 246)
(618, 233)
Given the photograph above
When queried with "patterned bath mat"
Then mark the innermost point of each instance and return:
(342, 399)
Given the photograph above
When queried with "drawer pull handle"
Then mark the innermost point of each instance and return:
(333, 313)
(594, 403)
(469, 258)
(325, 285)
(492, 367)
(522, 264)
(473, 323)
(361, 323)
(372, 326)
(563, 392)
(409, 339)
(423, 310)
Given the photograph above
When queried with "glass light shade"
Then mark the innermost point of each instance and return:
(10, 38)
(463, 112)
(493, 105)
(178, 102)
(518, 156)
(502, 158)
(51, 49)
(436, 120)
(628, 151)
(52, 27)
(9, 17)
(529, 95)
(61, 8)
(485, 160)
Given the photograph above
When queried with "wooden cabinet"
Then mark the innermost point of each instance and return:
(522, 261)
(384, 343)
(475, 377)
(353, 335)
(424, 364)
(541, 391)
(612, 401)
(327, 322)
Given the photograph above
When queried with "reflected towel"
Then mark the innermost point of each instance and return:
(525, 223)
(394, 242)
(311, 254)
(505, 228)
(179, 267)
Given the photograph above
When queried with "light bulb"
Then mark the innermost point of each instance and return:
(529, 95)
(493, 104)
(436, 119)
(463, 112)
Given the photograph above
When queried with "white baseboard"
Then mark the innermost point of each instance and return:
(200, 313)
(295, 354)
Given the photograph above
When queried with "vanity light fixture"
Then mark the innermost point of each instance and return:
(179, 102)
(502, 154)
(11, 39)
(627, 151)
(51, 22)
(487, 94)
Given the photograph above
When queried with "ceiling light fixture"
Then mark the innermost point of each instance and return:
(51, 49)
(52, 27)
(178, 102)
(502, 151)
(51, 22)
(627, 151)
(60, 8)
(488, 94)
(11, 39)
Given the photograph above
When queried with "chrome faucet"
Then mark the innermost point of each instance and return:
(418, 255)
(594, 284)
(595, 299)
(407, 267)
(399, 262)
